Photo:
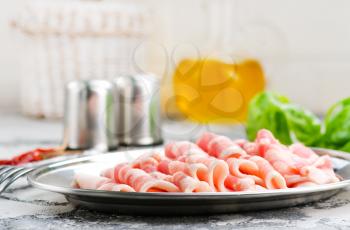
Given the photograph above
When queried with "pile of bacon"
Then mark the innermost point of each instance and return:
(217, 164)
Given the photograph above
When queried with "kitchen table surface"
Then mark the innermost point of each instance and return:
(23, 207)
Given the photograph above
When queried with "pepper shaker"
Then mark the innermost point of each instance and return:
(139, 111)
(90, 119)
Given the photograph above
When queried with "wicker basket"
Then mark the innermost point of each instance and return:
(69, 40)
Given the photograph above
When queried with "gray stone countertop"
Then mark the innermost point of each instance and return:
(23, 207)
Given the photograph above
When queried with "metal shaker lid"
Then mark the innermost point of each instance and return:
(90, 115)
(139, 113)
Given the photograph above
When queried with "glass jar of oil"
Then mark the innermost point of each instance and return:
(213, 91)
(210, 77)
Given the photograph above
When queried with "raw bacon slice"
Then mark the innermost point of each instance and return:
(320, 173)
(88, 181)
(294, 180)
(316, 175)
(304, 184)
(240, 184)
(260, 188)
(243, 168)
(148, 162)
(195, 170)
(223, 148)
(264, 136)
(272, 178)
(188, 184)
(303, 152)
(161, 176)
(251, 148)
(217, 171)
(302, 162)
(198, 171)
(240, 142)
(156, 186)
(142, 181)
(120, 171)
(116, 187)
(109, 173)
(204, 139)
(283, 161)
(265, 140)
(171, 167)
(324, 162)
(220, 146)
(182, 149)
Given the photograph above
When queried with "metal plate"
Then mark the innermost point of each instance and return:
(58, 177)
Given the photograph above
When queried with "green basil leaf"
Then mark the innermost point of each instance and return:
(337, 125)
(266, 113)
(304, 125)
(286, 121)
(345, 148)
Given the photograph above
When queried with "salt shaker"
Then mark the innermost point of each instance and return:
(139, 110)
(90, 119)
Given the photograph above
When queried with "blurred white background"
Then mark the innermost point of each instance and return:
(9, 71)
(309, 43)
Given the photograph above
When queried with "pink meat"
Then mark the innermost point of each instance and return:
(116, 187)
(243, 168)
(120, 171)
(304, 184)
(109, 173)
(251, 148)
(240, 184)
(240, 142)
(272, 178)
(171, 167)
(204, 140)
(142, 181)
(265, 140)
(223, 148)
(161, 176)
(220, 146)
(217, 171)
(177, 150)
(148, 162)
(219, 164)
(195, 170)
(284, 161)
(303, 152)
(320, 172)
(293, 180)
(88, 181)
(188, 184)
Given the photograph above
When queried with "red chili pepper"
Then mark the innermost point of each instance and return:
(6, 162)
(30, 156)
